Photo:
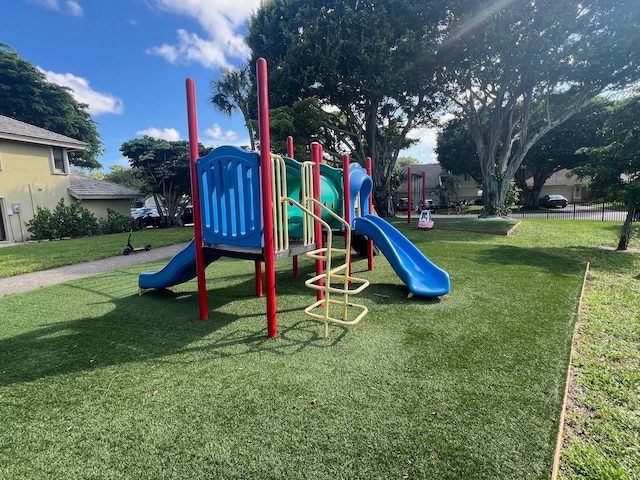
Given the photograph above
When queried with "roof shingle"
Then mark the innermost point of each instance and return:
(84, 187)
(11, 129)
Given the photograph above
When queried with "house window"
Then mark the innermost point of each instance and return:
(59, 164)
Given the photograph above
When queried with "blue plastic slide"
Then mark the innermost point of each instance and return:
(181, 268)
(422, 276)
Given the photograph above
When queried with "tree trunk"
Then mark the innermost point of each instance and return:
(625, 235)
(530, 197)
(495, 194)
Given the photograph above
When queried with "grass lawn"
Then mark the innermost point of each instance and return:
(31, 257)
(602, 432)
(96, 382)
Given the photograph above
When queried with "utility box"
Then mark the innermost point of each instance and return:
(16, 207)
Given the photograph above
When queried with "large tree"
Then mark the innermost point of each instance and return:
(559, 150)
(26, 95)
(555, 151)
(613, 169)
(456, 150)
(365, 62)
(127, 177)
(164, 168)
(230, 92)
(516, 69)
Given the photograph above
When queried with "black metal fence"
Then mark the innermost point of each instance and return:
(601, 211)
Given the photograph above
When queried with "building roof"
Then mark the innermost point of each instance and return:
(84, 187)
(18, 131)
(433, 171)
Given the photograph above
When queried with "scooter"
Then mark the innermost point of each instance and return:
(129, 248)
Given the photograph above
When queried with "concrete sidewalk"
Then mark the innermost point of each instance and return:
(31, 281)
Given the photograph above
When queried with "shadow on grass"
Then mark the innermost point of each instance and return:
(116, 327)
(558, 260)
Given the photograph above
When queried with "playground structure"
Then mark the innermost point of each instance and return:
(264, 207)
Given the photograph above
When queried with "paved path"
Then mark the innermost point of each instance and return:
(31, 281)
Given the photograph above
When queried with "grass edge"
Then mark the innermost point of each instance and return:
(555, 470)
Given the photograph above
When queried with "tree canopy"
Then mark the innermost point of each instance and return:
(613, 168)
(230, 92)
(26, 95)
(555, 151)
(364, 62)
(515, 70)
(127, 177)
(165, 170)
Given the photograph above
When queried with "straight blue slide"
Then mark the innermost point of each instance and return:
(181, 268)
(421, 275)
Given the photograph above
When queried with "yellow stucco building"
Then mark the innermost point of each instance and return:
(34, 172)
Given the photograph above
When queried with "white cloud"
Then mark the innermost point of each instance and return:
(221, 22)
(98, 102)
(75, 8)
(169, 134)
(424, 149)
(216, 133)
(52, 4)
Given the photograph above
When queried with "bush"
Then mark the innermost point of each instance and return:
(70, 221)
(116, 223)
(42, 226)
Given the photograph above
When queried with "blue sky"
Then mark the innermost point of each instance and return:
(128, 60)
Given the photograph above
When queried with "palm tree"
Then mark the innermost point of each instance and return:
(230, 92)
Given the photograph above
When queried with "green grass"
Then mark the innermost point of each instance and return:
(32, 257)
(96, 382)
(602, 437)
(497, 226)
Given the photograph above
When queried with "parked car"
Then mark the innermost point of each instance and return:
(428, 205)
(186, 217)
(403, 204)
(553, 201)
(146, 217)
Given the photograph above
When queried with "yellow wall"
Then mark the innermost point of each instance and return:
(99, 207)
(26, 178)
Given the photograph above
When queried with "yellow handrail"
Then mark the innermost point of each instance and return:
(326, 280)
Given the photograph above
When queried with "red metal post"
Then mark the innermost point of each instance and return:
(316, 157)
(195, 199)
(346, 175)
(424, 190)
(267, 203)
(369, 169)
(290, 154)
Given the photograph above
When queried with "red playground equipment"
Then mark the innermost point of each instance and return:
(264, 207)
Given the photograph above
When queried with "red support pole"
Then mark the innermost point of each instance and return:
(195, 199)
(290, 154)
(316, 157)
(409, 194)
(369, 169)
(346, 175)
(267, 203)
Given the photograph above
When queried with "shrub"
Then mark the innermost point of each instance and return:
(42, 226)
(71, 221)
(116, 223)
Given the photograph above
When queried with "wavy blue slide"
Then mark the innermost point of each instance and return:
(181, 268)
(421, 275)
